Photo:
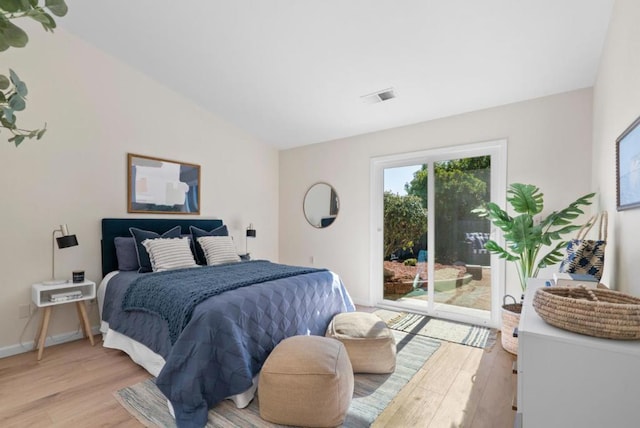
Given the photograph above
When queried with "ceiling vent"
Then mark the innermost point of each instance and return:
(378, 97)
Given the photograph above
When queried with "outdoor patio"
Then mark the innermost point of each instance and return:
(467, 286)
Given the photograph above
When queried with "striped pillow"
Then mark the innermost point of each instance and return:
(169, 253)
(218, 249)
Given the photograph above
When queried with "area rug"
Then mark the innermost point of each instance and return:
(372, 393)
(451, 331)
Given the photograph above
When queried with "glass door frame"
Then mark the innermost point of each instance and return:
(497, 149)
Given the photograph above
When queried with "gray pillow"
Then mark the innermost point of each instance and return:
(126, 253)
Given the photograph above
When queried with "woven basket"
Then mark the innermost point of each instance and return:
(594, 312)
(510, 320)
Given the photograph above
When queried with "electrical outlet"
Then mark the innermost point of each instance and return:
(24, 311)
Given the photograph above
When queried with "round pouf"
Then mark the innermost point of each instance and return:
(306, 381)
(369, 342)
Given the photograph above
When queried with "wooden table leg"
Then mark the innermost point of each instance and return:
(36, 341)
(84, 319)
(43, 330)
(84, 327)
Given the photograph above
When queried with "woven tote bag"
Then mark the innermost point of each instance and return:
(586, 256)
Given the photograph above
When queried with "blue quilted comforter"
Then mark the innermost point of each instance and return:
(159, 294)
(228, 336)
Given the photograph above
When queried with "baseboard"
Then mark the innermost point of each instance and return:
(21, 348)
(361, 302)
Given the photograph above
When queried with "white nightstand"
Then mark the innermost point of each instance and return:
(47, 296)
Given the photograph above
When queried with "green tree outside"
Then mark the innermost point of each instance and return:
(405, 220)
(461, 185)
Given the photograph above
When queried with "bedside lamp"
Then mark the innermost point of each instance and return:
(251, 233)
(64, 241)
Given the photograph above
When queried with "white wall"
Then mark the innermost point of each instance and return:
(616, 104)
(549, 144)
(98, 110)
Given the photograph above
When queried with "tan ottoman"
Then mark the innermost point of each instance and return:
(369, 342)
(306, 381)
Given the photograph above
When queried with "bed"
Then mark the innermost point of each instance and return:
(214, 349)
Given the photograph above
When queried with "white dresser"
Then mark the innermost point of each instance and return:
(568, 380)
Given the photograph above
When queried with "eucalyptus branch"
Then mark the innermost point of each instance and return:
(8, 15)
(13, 91)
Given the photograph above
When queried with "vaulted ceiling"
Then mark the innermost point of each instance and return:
(292, 72)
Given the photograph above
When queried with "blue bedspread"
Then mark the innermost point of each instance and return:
(229, 336)
(174, 294)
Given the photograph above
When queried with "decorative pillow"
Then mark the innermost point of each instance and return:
(140, 235)
(199, 233)
(171, 253)
(126, 253)
(219, 249)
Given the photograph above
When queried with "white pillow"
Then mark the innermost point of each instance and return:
(169, 253)
(218, 249)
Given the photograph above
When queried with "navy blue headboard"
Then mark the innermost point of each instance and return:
(112, 227)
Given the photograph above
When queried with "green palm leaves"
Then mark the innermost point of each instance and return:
(526, 235)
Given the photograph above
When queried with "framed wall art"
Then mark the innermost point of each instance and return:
(162, 186)
(628, 167)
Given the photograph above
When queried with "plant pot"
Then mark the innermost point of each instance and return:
(510, 320)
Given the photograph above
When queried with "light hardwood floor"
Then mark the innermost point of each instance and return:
(73, 385)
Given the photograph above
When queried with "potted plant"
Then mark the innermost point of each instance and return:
(531, 242)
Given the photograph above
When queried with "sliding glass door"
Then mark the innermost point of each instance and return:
(428, 251)
(405, 232)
